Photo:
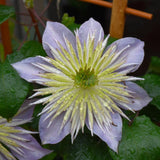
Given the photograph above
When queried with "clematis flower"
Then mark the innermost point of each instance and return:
(85, 82)
(16, 142)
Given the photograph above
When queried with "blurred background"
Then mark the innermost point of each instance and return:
(146, 30)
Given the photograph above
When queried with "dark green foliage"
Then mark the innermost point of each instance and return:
(154, 66)
(29, 49)
(6, 12)
(140, 141)
(111, 40)
(84, 147)
(152, 112)
(51, 156)
(69, 22)
(13, 89)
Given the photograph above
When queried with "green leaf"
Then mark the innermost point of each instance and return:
(69, 22)
(154, 66)
(13, 90)
(6, 12)
(29, 49)
(140, 141)
(84, 147)
(50, 156)
(111, 40)
(152, 85)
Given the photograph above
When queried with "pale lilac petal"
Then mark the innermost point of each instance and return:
(2, 157)
(28, 71)
(111, 136)
(140, 97)
(91, 28)
(56, 32)
(26, 110)
(31, 148)
(53, 134)
(134, 53)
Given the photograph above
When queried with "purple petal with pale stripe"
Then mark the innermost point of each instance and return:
(28, 71)
(32, 150)
(91, 28)
(53, 134)
(55, 31)
(113, 136)
(135, 53)
(140, 96)
(26, 110)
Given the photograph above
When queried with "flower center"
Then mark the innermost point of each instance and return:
(85, 78)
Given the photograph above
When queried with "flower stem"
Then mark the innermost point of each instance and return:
(31, 12)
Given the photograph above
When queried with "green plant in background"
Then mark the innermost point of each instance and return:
(69, 22)
(6, 12)
(29, 3)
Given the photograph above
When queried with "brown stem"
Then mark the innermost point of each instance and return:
(38, 18)
(45, 8)
(45, 19)
(31, 12)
